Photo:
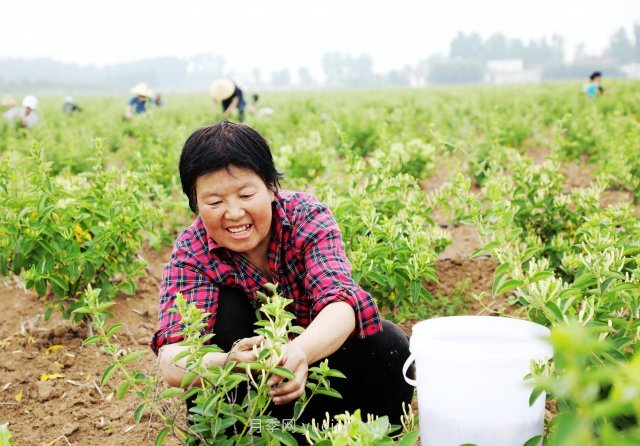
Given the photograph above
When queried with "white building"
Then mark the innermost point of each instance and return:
(510, 71)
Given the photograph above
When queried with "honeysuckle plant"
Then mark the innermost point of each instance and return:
(591, 283)
(63, 234)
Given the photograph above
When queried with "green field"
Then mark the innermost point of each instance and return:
(81, 196)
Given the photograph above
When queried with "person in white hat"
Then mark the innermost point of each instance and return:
(229, 95)
(28, 115)
(138, 103)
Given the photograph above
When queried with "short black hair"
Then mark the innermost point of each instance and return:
(220, 146)
(256, 96)
(594, 75)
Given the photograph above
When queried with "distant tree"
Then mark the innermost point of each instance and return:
(455, 71)
(343, 70)
(467, 48)
(257, 75)
(579, 52)
(496, 47)
(636, 46)
(332, 67)
(281, 78)
(620, 47)
(304, 77)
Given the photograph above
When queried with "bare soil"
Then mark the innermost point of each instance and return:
(72, 410)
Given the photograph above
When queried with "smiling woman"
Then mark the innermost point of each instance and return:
(248, 233)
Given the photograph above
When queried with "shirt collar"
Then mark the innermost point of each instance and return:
(280, 220)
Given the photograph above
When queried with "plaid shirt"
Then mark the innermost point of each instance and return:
(306, 256)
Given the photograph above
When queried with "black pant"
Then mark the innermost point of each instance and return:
(373, 365)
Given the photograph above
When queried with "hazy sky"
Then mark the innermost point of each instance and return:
(275, 34)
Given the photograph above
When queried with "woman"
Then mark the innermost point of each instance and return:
(249, 233)
(230, 96)
(138, 103)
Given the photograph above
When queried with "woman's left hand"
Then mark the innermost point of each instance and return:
(282, 390)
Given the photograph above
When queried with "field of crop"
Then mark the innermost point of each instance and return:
(497, 200)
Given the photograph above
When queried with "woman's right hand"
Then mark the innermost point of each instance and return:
(243, 351)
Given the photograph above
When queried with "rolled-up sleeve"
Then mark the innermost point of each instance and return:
(181, 274)
(328, 272)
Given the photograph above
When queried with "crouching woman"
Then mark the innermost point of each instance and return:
(248, 233)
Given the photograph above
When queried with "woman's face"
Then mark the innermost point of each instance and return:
(235, 207)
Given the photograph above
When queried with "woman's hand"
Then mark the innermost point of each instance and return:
(284, 391)
(242, 351)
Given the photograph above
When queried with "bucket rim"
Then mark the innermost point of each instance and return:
(443, 337)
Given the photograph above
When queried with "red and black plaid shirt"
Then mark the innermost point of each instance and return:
(306, 256)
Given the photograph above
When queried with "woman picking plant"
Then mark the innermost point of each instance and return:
(247, 234)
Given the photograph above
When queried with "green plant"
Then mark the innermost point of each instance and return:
(350, 430)
(218, 415)
(390, 240)
(597, 406)
(5, 435)
(68, 233)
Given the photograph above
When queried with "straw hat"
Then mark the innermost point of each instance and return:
(8, 101)
(30, 101)
(142, 89)
(222, 89)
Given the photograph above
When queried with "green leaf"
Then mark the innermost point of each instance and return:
(625, 286)
(171, 392)
(132, 357)
(329, 392)
(91, 340)
(534, 441)
(284, 437)
(59, 282)
(555, 310)
(497, 282)
(41, 287)
(336, 374)
(122, 389)
(409, 438)
(502, 269)
(160, 438)
(509, 285)
(128, 287)
(585, 281)
(137, 415)
(281, 371)
(535, 394)
(540, 275)
(188, 379)
(114, 328)
(108, 373)
(604, 285)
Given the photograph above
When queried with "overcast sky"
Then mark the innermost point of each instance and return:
(273, 34)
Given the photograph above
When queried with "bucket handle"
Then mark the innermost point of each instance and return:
(405, 367)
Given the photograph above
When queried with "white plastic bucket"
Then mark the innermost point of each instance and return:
(470, 377)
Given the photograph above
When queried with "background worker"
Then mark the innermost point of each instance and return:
(70, 106)
(138, 103)
(595, 85)
(28, 116)
(230, 97)
(9, 109)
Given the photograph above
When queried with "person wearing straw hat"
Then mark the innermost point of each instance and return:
(138, 103)
(9, 109)
(229, 95)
